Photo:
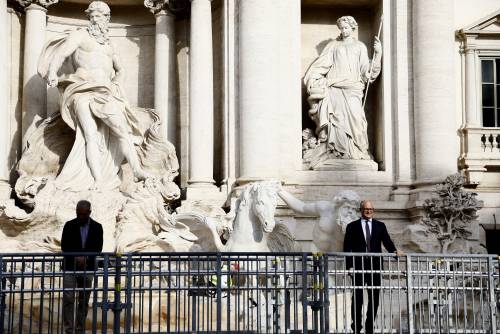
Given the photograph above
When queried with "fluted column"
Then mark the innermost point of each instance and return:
(436, 141)
(34, 87)
(201, 100)
(165, 86)
(4, 105)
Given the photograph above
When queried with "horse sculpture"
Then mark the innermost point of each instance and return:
(253, 226)
(252, 229)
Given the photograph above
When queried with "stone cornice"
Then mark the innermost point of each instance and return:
(43, 3)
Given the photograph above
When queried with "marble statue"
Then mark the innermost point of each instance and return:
(92, 104)
(335, 83)
(252, 227)
(329, 230)
(96, 147)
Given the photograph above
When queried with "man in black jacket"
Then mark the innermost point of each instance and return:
(366, 235)
(80, 235)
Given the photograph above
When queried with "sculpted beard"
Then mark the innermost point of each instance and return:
(344, 219)
(99, 30)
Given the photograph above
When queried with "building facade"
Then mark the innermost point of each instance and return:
(227, 79)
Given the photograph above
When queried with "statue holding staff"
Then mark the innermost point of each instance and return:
(335, 83)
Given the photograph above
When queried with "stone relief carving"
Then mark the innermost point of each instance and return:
(449, 220)
(43, 3)
(329, 230)
(79, 152)
(156, 6)
(335, 82)
(171, 6)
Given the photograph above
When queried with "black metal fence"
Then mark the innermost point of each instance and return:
(250, 293)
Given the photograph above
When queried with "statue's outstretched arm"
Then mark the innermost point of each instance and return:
(313, 208)
(65, 50)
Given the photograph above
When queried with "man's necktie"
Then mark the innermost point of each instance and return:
(368, 236)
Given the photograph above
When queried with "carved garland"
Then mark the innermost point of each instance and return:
(43, 3)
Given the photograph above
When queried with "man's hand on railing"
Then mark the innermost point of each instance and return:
(399, 252)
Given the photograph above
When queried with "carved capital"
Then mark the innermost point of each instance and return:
(166, 7)
(43, 3)
(157, 6)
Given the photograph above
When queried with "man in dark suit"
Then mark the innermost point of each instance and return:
(80, 235)
(366, 235)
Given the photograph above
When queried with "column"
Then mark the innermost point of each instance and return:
(436, 139)
(201, 100)
(4, 104)
(229, 95)
(165, 57)
(471, 103)
(34, 87)
(269, 88)
(290, 81)
(402, 101)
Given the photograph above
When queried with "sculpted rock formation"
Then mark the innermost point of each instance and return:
(335, 83)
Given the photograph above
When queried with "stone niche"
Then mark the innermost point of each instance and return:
(319, 28)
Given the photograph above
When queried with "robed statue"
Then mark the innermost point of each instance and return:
(335, 83)
(93, 104)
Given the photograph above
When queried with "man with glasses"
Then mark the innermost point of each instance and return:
(366, 235)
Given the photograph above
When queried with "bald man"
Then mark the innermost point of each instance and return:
(366, 235)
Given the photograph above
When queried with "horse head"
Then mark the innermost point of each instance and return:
(262, 198)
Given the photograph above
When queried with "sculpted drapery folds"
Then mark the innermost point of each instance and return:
(335, 83)
(87, 71)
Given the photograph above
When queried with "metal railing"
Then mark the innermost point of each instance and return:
(252, 293)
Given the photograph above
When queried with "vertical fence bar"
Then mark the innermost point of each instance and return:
(117, 294)
(304, 293)
(219, 292)
(128, 294)
(104, 303)
(2, 293)
(492, 295)
(409, 298)
(326, 293)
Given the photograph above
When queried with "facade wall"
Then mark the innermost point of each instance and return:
(390, 106)
(466, 13)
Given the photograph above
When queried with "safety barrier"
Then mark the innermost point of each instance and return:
(249, 293)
